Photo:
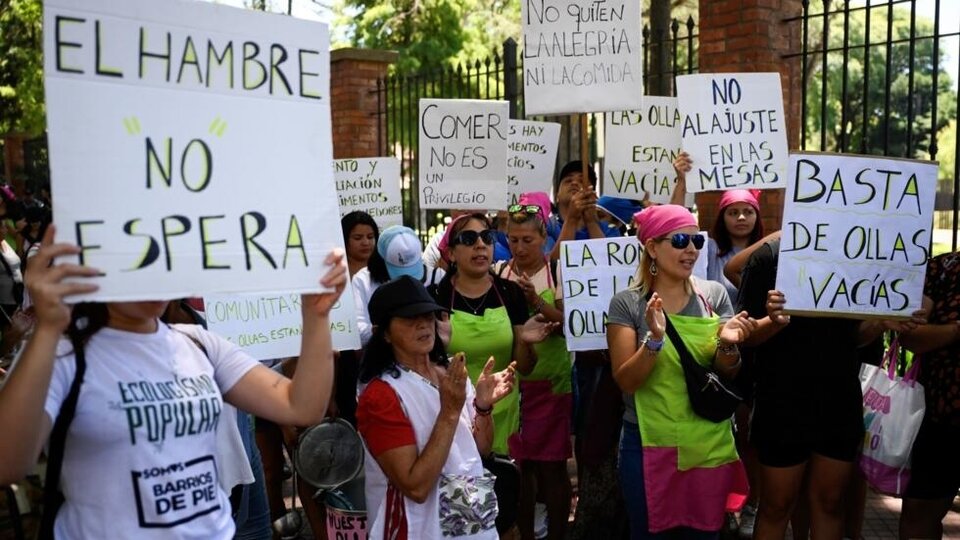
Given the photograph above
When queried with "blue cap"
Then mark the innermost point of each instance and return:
(622, 209)
(401, 251)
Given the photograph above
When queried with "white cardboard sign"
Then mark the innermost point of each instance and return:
(640, 148)
(532, 157)
(371, 185)
(463, 154)
(591, 272)
(190, 146)
(581, 57)
(856, 235)
(734, 129)
(269, 326)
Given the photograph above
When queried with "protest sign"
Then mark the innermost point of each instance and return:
(167, 164)
(531, 157)
(581, 57)
(856, 235)
(371, 185)
(269, 325)
(591, 272)
(734, 129)
(640, 148)
(463, 154)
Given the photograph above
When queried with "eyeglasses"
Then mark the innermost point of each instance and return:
(528, 208)
(682, 240)
(469, 238)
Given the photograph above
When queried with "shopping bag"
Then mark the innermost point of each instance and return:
(893, 409)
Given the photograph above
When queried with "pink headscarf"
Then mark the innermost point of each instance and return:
(537, 198)
(657, 221)
(749, 196)
(444, 245)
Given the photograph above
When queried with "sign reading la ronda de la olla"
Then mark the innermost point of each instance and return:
(190, 146)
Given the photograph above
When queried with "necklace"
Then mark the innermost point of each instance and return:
(420, 376)
(479, 305)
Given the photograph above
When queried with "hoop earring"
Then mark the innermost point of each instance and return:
(653, 267)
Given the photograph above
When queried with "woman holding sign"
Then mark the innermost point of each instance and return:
(130, 406)
(676, 468)
(546, 405)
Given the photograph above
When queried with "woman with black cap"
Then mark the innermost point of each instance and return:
(424, 424)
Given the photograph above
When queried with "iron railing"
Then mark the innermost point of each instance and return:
(875, 80)
(500, 77)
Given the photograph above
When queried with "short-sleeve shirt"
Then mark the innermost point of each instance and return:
(940, 369)
(715, 264)
(140, 455)
(381, 420)
(807, 375)
(627, 308)
(510, 293)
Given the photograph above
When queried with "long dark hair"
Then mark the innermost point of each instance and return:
(87, 319)
(456, 228)
(378, 357)
(722, 236)
(358, 217)
(378, 268)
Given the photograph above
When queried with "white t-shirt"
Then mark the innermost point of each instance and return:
(140, 455)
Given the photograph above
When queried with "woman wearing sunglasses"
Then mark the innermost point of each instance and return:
(676, 468)
(546, 405)
(488, 315)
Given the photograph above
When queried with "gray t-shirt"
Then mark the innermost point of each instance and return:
(627, 308)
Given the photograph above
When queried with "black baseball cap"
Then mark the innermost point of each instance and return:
(403, 297)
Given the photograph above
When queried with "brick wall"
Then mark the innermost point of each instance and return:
(750, 36)
(353, 100)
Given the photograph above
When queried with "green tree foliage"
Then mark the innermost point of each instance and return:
(846, 114)
(21, 67)
(427, 33)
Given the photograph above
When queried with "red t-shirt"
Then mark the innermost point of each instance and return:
(381, 420)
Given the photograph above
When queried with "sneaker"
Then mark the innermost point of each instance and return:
(748, 519)
(540, 521)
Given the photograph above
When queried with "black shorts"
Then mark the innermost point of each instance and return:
(935, 467)
(786, 440)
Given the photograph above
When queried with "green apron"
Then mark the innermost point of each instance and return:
(480, 337)
(553, 358)
(664, 414)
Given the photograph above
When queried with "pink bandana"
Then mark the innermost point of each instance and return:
(749, 196)
(657, 221)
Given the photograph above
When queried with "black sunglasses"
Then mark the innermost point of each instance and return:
(682, 240)
(469, 238)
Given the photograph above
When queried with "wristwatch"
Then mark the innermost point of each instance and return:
(653, 345)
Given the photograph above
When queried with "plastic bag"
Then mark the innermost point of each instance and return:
(893, 409)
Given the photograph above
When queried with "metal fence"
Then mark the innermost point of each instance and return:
(876, 80)
(500, 77)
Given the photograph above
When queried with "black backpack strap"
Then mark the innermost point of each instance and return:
(52, 497)
(236, 494)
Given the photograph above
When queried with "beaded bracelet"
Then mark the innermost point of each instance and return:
(482, 412)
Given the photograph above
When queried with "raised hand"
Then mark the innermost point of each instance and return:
(738, 328)
(529, 290)
(48, 288)
(335, 278)
(492, 387)
(537, 329)
(453, 386)
(654, 317)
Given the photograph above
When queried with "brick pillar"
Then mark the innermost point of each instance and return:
(750, 36)
(353, 100)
